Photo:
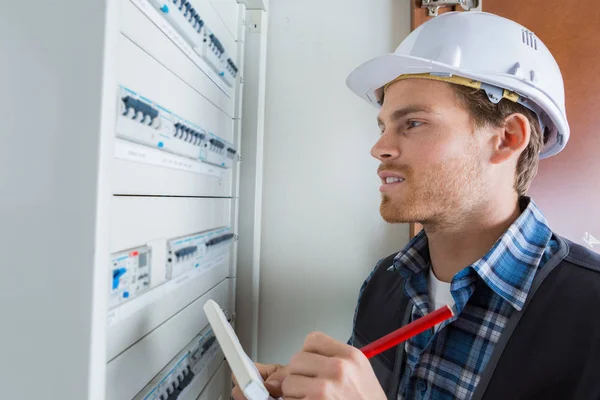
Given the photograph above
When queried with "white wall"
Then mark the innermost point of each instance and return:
(321, 229)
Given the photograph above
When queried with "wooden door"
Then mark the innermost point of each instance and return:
(567, 187)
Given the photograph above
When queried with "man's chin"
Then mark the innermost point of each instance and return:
(394, 215)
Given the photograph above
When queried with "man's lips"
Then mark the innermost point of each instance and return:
(391, 177)
(389, 180)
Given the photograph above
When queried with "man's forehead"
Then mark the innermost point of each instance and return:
(415, 93)
(416, 87)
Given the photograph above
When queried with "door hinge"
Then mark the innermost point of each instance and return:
(434, 5)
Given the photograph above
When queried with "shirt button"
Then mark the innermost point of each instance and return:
(422, 385)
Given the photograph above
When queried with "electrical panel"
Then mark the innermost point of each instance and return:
(173, 214)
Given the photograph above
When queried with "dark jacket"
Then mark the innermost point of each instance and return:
(549, 350)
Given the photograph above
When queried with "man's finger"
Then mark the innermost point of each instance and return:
(309, 364)
(237, 394)
(297, 386)
(274, 381)
(266, 370)
(320, 343)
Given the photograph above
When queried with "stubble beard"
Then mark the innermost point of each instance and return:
(441, 194)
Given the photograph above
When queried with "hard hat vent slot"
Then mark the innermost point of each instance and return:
(529, 39)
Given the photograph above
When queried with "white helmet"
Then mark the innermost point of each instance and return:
(493, 53)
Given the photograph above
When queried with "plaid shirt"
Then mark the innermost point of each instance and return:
(448, 364)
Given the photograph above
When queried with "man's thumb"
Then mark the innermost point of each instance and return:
(274, 387)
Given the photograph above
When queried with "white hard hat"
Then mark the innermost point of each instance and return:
(493, 53)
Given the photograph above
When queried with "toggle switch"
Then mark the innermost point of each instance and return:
(186, 251)
(177, 130)
(220, 239)
(131, 106)
(138, 110)
(197, 138)
(192, 14)
(198, 23)
(232, 67)
(117, 274)
(216, 145)
(218, 48)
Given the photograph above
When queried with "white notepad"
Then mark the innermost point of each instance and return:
(246, 374)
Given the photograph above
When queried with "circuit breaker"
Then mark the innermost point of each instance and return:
(188, 21)
(201, 251)
(130, 274)
(146, 122)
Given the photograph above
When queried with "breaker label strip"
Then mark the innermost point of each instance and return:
(127, 150)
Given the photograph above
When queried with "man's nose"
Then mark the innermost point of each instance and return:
(385, 149)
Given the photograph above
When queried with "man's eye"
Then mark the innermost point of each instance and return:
(414, 124)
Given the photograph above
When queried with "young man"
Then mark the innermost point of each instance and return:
(469, 103)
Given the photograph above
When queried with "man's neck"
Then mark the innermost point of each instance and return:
(454, 247)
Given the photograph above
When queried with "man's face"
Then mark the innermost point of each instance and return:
(429, 154)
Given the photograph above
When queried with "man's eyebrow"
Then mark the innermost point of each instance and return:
(403, 112)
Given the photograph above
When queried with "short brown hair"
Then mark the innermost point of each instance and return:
(486, 113)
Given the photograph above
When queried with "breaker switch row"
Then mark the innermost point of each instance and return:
(188, 134)
(140, 111)
(186, 251)
(197, 23)
(231, 152)
(220, 239)
(216, 144)
(231, 67)
(216, 46)
(189, 12)
(178, 385)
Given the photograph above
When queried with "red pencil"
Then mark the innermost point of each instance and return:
(406, 332)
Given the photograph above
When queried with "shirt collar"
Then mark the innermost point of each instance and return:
(510, 265)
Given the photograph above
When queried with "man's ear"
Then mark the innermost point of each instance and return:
(511, 139)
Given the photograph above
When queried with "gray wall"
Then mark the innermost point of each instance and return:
(321, 229)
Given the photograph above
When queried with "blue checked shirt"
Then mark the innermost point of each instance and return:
(448, 364)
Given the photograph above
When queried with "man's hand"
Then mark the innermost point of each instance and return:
(273, 374)
(328, 369)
